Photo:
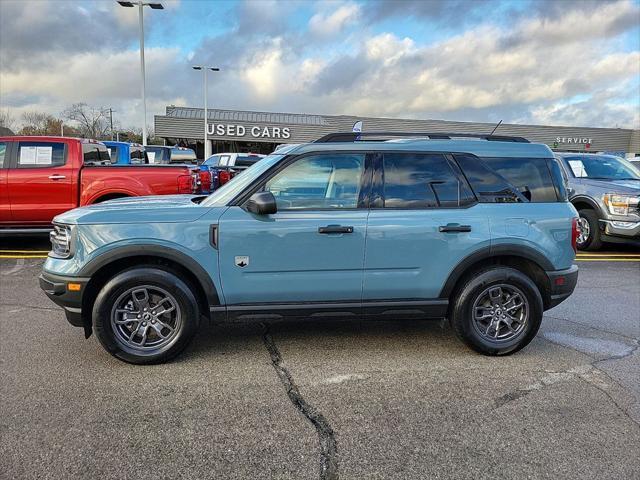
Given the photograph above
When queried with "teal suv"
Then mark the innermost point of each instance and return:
(475, 229)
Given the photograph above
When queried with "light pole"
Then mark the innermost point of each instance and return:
(141, 5)
(206, 141)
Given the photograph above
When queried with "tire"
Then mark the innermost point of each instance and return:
(496, 341)
(159, 333)
(593, 241)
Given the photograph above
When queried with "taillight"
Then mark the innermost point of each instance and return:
(205, 181)
(575, 232)
(185, 184)
(223, 177)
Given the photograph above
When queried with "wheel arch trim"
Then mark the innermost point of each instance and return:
(159, 251)
(486, 253)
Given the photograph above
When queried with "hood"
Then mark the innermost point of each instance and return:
(152, 209)
(614, 186)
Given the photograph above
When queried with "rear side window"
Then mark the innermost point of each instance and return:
(40, 154)
(416, 181)
(247, 160)
(488, 185)
(224, 160)
(137, 155)
(95, 153)
(531, 176)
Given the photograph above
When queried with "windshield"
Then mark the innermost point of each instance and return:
(229, 190)
(600, 167)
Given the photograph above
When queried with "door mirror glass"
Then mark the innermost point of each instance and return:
(262, 203)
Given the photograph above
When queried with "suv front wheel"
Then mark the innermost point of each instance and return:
(497, 311)
(145, 315)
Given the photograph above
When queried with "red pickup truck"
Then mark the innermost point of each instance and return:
(41, 177)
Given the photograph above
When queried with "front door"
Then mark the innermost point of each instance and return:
(425, 222)
(311, 252)
(40, 182)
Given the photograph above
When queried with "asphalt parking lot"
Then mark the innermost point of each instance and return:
(325, 399)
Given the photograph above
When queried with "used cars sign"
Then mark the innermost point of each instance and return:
(231, 130)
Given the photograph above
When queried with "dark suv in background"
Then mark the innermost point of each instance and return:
(605, 190)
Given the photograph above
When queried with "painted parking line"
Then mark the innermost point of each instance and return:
(607, 259)
(23, 256)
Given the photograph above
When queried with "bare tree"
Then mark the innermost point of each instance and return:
(6, 119)
(40, 123)
(91, 122)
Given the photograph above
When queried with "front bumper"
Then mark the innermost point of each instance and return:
(56, 288)
(562, 283)
(620, 231)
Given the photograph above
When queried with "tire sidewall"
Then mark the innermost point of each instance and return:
(101, 315)
(462, 317)
(593, 241)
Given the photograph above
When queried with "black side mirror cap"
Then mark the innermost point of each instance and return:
(262, 203)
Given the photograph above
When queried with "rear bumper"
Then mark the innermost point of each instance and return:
(56, 288)
(562, 283)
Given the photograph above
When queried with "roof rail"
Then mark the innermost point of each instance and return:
(384, 136)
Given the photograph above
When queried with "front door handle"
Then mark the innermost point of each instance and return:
(57, 177)
(335, 229)
(454, 227)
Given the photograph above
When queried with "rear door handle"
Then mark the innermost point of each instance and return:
(57, 177)
(335, 229)
(454, 227)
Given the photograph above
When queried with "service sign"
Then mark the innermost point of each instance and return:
(574, 140)
(240, 131)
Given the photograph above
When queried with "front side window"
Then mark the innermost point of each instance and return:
(531, 176)
(3, 149)
(416, 181)
(319, 182)
(40, 154)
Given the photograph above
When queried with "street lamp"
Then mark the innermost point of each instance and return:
(204, 69)
(154, 6)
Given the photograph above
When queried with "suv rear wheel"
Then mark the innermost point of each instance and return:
(145, 315)
(589, 235)
(497, 311)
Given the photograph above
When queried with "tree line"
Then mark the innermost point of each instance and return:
(78, 120)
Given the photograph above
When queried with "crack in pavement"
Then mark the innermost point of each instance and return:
(326, 436)
(586, 372)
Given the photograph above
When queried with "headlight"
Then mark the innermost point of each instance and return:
(61, 241)
(620, 204)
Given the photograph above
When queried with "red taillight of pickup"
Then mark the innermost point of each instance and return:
(205, 181)
(186, 184)
(575, 232)
(223, 177)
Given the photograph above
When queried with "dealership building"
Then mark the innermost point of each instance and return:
(261, 132)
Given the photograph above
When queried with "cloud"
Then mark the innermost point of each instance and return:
(330, 22)
(560, 66)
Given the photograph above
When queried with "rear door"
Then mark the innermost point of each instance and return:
(40, 181)
(424, 220)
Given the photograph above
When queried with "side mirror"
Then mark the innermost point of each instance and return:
(262, 203)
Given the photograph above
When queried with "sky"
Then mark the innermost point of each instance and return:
(560, 62)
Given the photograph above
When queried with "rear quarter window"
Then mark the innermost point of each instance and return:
(488, 185)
